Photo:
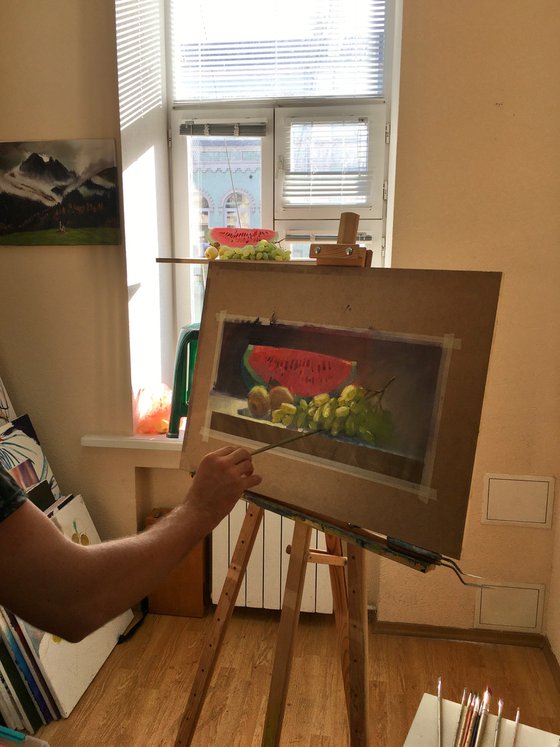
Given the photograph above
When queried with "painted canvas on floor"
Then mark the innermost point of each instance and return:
(22, 456)
(7, 412)
(385, 369)
(69, 668)
(59, 192)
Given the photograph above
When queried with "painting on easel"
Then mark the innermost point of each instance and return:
(372, 399)
(386, 368)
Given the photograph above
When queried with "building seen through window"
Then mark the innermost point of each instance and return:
(226, 185)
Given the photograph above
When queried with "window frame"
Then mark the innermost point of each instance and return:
(274, 216)
(376, 115)
(147, 132)
(186, 282)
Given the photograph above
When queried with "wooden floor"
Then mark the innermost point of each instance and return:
(139, 696)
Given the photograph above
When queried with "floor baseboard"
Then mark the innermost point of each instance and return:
(476, 635)
(473, 635)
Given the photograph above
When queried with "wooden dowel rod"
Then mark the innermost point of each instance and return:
(322, 557)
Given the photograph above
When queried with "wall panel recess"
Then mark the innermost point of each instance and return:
(520, 500)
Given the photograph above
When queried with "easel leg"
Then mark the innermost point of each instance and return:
(358, 648)
(339, 589)
(215, 636)
(286, 633)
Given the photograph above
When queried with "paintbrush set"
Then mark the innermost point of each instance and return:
(473, 717)
(477, 721)
(471, 728)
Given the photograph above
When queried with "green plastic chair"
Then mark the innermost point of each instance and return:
(182, 377)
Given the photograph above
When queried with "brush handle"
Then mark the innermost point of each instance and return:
(281, 443)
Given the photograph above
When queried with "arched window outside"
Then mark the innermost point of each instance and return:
(204, 211)
(201, 215)
(237, 210)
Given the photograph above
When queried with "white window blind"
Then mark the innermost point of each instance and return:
(329, 158)
(222, 129)
(326, 162)
(139, 58)
(295, 49)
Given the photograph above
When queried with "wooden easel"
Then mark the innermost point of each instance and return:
(349, 603)
(347, 576)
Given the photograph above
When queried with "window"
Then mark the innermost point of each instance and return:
(293, 50)
(237, 211)
(226, 154)
(285, 124)
(272, 123)
(330, 159)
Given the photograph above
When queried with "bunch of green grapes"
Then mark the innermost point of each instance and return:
(263, 250)
(355, 412)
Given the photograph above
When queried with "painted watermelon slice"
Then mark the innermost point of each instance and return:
(303, 372)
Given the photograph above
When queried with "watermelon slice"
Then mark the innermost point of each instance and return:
(240, 237)
(303, 372)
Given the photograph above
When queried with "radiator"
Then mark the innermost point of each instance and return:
(263, 585)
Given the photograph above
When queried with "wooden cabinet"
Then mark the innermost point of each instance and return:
(185, 591)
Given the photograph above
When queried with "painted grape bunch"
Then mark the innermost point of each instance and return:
(315, 392)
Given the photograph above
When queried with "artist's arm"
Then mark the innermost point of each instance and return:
(71, 590)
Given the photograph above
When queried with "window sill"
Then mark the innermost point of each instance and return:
(147, 442)
(204, 261)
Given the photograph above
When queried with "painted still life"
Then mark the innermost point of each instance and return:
(371, 399)
(59, 192)
(379, 373)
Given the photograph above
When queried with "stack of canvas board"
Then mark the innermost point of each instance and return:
(42, 677)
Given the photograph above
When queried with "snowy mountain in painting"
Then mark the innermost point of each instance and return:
(65, 189)
(47, 180)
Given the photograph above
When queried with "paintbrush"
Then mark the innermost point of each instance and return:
(461, 716)
(515, 728)
(439, 712)
(483, 715)
(285, 441)
(498, 722)
(279, 443)
(462, 725)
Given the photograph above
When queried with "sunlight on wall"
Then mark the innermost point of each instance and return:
(141, 225)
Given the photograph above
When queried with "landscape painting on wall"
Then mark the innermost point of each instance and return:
(383, 371)
(59, 192)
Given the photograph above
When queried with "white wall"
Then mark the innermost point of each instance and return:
(64, 343)
(478, 187)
